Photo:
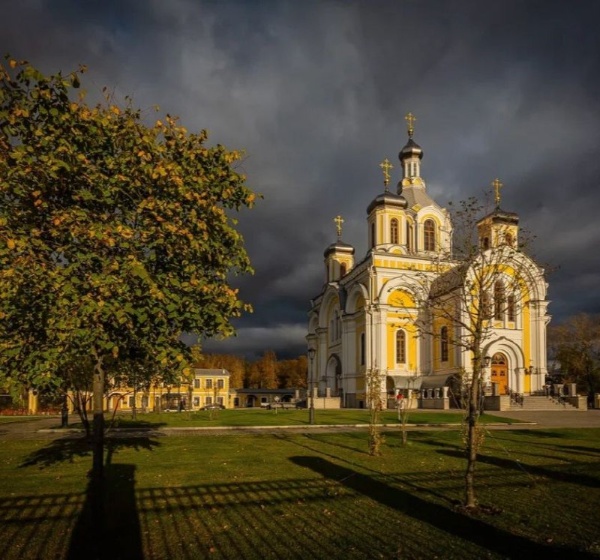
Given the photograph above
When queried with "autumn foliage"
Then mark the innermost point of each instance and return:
(266, 372)
(116, 235)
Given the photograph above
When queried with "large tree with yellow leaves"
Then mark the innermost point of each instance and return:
(115, 235)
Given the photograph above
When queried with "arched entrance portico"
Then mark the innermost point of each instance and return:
(500, 372)
(332, 378)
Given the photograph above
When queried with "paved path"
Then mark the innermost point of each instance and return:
(43, 428)
(555, 419)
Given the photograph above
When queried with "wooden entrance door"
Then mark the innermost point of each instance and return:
(500, 372)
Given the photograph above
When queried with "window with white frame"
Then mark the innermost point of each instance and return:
(394, 231)
(400, 347)
(429, 235)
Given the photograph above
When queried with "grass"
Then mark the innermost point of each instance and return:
(306, 496)
(258, 417)
(13, 419)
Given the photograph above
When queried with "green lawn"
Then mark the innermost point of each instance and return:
(13, 419)
(258, 417)
(306, 496)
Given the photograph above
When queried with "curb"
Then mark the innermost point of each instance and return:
(266, 428)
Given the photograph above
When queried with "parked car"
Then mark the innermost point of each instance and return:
(213, 406)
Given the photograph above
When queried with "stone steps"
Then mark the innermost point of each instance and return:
(540, 403)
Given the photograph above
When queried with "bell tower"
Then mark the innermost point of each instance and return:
(410, 158)
(385, 214)
(339, 256)
(498, 227)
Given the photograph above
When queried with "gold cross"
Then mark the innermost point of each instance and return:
(338, 225)
(410, 119)
(386, 166)
(497, 186)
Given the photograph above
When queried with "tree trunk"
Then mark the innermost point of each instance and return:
(472, 436)
(98, 422)
(79, 405)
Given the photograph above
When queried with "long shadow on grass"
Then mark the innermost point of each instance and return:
(565, 449)
(104, 523)
(63, 525)
(456, 523)
(339, 514)
(113, 530)
(560, 475)
(361, 440)
(67, 449)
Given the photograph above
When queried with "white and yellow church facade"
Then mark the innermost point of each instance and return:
(371, 315)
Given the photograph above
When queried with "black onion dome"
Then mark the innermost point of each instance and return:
(339, 247)
(388, 199)
(410, 149)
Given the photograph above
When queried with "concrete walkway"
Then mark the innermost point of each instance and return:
(552, 419)
(46, 427)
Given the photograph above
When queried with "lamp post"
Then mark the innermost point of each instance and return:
(311, 405)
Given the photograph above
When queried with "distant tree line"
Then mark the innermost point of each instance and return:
(266, 372)
(574, 348)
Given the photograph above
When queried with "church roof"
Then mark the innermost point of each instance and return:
(410, 148)
(417, 196)
(501, 216)
(388, 199)
(450, 280)
(339, 247)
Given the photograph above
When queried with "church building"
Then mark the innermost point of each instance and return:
(418, 312)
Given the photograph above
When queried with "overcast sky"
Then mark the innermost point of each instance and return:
(315, 92)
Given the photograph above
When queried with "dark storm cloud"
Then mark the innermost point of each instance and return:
(315, 92)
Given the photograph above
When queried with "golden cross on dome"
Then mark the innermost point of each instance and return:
(410, 119)
(386, 166)
(338, 225)
(497, 186)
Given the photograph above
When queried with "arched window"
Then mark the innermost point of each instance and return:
(372, 235)
(400, 347)
(429, 235)
(394, 231)
(409, 236)
(444, 344)
(510, 309)
(499, 300)
(343, 269)
(486, 243)
(499, 360)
